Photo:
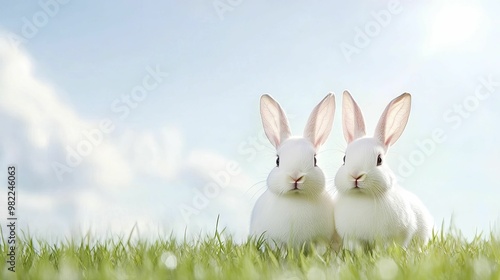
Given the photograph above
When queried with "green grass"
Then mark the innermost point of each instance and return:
(447, 256)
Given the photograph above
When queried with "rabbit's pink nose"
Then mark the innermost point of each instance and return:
(359, 178)
(298, 180)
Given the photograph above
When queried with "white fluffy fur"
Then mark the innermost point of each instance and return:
(295, 208)
(378, 209)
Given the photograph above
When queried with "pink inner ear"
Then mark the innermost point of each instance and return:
(317, 143)
(351, 137)
(387, 142)
(276, 142)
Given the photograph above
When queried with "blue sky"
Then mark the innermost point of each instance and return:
(213, 60)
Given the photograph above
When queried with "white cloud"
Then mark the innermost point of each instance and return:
(448, 29)
(132, 178)
(44, 125)
(225, 186)
(214, 167)
(155, 153)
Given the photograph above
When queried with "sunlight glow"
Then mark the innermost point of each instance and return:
(455, 26)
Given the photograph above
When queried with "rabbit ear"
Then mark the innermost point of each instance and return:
(274, 120)
(394, 119)
(353, 123)
(320, 122)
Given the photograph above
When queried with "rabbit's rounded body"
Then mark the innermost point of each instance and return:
(292, 218)
(390, 216)
(425, 221)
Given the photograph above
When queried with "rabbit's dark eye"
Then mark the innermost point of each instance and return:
(278, 161)
(344, 160)
(315, 161)
(379, 160)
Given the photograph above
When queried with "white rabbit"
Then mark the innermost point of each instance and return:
(369, 204)
(295, 208)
